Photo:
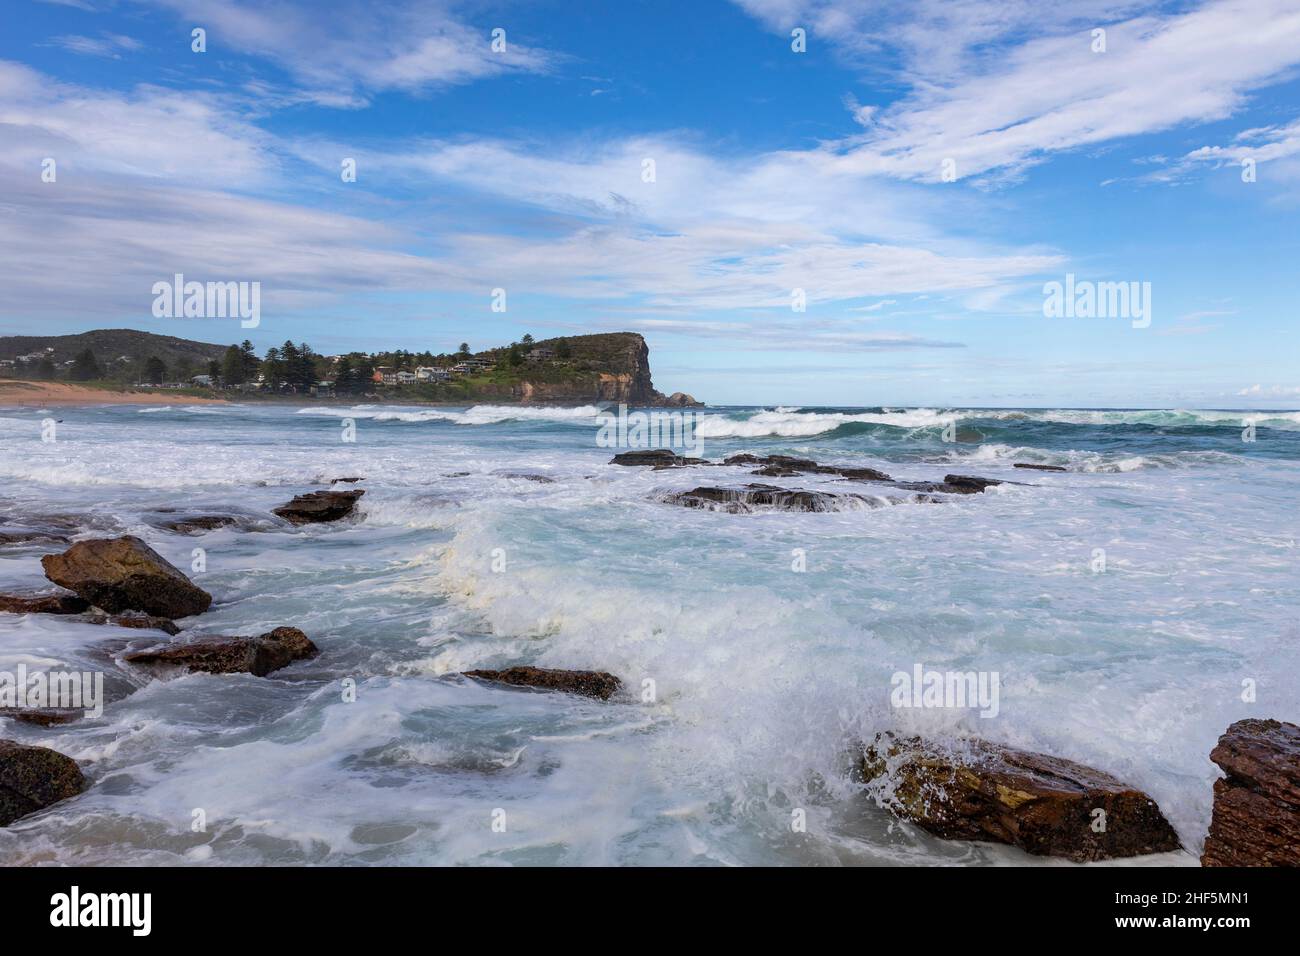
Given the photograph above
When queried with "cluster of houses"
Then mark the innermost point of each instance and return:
(386, 375)
(31, 358)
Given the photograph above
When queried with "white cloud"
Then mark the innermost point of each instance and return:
(338, 55)
(996, 102)
(110, 45)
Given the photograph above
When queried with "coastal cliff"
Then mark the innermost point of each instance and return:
(612, 367)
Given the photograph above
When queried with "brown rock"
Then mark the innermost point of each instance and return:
(320, 506)
(655, 457)
(134, 619)
(45, 716)
(768, 497)
(125, 574)
(32, 537)
(1256, 817)
(232, 655)
(32, 778)
(66, 603)
(588, 683)
(975, 790)
(784, 466)
(197, 524)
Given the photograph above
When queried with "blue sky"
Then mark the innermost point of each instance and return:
(774, 170)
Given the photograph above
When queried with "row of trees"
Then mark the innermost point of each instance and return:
(295, 365)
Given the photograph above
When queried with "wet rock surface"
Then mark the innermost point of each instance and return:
(765, 497)
(787, 466)
(587, 683)
(655, 458)
(32, 778)
(65, 603)
(1021, 464)
(975, 790)
(320, 506)
(125, 574)
(218, 654)
(1256, 817)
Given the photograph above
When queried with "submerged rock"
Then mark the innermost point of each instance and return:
(135, 619)
(785, 466)
(346, 481)
(125, 574)
(750, 497)
(33, 778)
(1021, 464)
(45, 716)
(232, 655)
(540, 479)
(1044, 805)
(65, 603)
(319, 506)
(587, 683)
(197, 524)
(26, 536)
(1256, 817)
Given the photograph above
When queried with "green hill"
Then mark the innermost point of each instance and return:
(110, 344)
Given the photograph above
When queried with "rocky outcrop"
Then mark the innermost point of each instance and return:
(655, 458)
(587, 683)
(1256, 817)
(756, 497)
(346, 481)
(65, 603)
(778, 466)
(136, 620)
(25, 536)
(33, 778)
(45, 716)
(125, 574)
(681, 400)
(197, 524)
(1021, 464)
(319, 506)
(232, 655)
(975, 790)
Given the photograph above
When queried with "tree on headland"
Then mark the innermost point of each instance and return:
(515, 357)
(85, 368)
(154, 370)
(527, 339)
(234, 366)
(463, 351)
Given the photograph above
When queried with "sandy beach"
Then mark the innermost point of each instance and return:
(41, 394)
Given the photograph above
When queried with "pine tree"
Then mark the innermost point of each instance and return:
(234, 366)
(85, 367)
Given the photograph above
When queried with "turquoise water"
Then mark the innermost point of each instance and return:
(761, 676)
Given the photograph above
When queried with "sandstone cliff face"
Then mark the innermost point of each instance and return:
(611, 368)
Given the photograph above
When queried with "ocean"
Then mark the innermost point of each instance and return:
(1132, 608)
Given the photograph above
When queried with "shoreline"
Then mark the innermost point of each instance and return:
(17, 392)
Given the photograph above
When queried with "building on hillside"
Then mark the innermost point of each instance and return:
(405, 378)
(323, 389)
(203, 380)
(540, 354)
(428, 373)
(381, 373)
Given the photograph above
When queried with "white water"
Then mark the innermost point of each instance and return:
(762, 676)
